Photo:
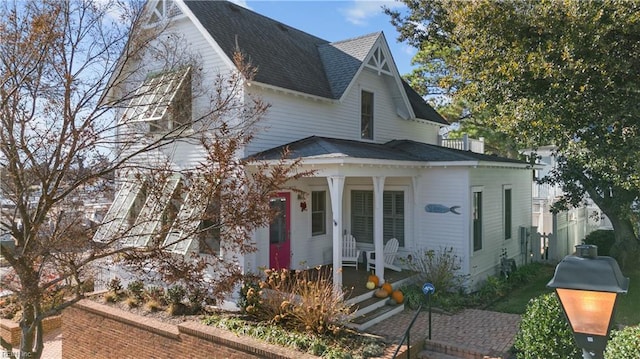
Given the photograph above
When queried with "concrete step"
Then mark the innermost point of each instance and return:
(369, 309)
(428, 354)
(364, 321)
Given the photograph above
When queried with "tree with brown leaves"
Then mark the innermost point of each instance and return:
(81, 106)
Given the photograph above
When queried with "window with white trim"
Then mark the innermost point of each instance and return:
(477, 219)
(362, 215)
(119, 210)
(318, 213)
(507, 211)
(163, 102)
(366, 115)
(148, 221)
(393, 215)
(179, 240)
(209, 229)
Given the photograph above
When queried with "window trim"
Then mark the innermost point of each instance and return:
(174, 241)
(507, 216)
(322, 211)
(371, 116)
(119, 210)
(392, 188)
(152, 101)
(150, 215)
(477, 243)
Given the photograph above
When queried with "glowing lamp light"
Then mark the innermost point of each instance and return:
(588, 286)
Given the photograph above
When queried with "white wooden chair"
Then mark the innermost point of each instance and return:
(350, 254)
(390, 251)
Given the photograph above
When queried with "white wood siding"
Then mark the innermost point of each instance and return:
(486, 261)
(447, 187)
(293, 117)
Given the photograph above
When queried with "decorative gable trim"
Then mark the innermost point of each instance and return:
(380, 60)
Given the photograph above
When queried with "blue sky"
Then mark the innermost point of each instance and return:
(335, 20)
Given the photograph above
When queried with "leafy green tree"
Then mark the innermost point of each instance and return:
(545, 73)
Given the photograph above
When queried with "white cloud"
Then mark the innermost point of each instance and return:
(409, 50)
(362, 10)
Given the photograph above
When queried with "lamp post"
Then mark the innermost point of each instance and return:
(588, 286)
(429, 289)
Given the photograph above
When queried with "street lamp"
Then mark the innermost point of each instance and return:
(588, 286)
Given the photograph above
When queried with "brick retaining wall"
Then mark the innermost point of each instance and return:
(10, 330)
(94, 330)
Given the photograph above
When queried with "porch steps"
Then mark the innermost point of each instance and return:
(371, 310)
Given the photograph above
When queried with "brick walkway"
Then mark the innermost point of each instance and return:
(53, 345)
(479, 331)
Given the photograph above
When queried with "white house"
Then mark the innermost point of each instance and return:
(559, 232)
(373, 142)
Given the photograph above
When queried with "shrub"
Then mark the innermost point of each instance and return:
(438, 267)
(152, 305)
(249, 294)
(175, 294)
(544, 331)
(131, 302)
(9, 307)
(602, 238)
(303, 300)
(88, 285)
(154, 293)
(624, 344)
(134, 289)
(111, 297)
(174, 297)
(115, 285)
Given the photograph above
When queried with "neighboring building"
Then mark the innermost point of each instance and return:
(560, 232)
(343, 108)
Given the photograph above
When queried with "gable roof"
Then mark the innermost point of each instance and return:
(288, 58)
(397, 150)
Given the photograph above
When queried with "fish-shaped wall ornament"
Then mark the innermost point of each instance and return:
(439, 208)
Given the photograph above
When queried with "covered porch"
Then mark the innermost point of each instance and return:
(354, 281)
(389, 180)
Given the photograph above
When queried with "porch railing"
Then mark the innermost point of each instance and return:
(465, 143)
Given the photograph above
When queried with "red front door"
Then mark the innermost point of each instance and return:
(279, 229)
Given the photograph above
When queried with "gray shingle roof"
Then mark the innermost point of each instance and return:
(289, 58)
(343, 59)
(398, 150)
(285, 57)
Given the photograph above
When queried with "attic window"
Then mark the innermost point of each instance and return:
(163, 10)
(163, 101)
(379, 62)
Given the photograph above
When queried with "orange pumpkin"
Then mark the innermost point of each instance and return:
(387, 287)
(397, 296)
(381, 293)
(374, 278)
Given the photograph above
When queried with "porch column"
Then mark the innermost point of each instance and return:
(336, 187)
(378, 221)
